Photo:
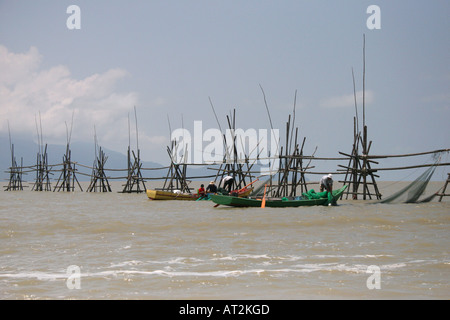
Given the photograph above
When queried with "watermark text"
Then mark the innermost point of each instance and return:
(74, 277)
(374, 280)
(73, 22)
(374, 20)
(212, 146)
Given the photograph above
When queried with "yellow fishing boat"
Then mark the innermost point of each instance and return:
(168, 195)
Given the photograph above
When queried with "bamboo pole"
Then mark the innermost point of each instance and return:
(443, 194)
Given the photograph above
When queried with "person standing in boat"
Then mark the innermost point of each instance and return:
(326, 183)
(228, 182)
(211, 188)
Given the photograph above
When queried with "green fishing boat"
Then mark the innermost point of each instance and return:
(307, 199)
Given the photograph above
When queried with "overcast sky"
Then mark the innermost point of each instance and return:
(169, 57)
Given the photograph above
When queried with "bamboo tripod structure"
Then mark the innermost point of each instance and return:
(135, 181)
(176, 175)
(359, 170)
(15, 174)
(291, 172)
(99, 180)
(67, 178)
(234, 166)
(357, 173)
(42, 182)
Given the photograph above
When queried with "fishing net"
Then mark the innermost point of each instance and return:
(311, 195)
(412, 192)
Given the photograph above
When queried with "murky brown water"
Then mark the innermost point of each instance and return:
(128, 247)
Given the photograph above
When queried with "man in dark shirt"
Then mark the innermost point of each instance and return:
(211, 188)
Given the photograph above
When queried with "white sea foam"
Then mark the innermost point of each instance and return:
(34, 275)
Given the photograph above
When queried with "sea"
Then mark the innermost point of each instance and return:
(114, 246)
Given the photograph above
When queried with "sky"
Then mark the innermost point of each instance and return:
(168, 59)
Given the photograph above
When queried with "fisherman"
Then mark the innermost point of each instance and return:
(211, 188)
(202, 192)
(228, 182)
(326, 183)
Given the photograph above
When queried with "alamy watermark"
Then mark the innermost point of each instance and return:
(258, 146)
(73, 22)
(74, 277)
(374, 20)
(374, 280)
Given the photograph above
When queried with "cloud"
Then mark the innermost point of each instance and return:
(17, 66)
(348, 100)
(27, 90)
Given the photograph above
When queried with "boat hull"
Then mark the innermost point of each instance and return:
(167, 195)
(247, 202)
